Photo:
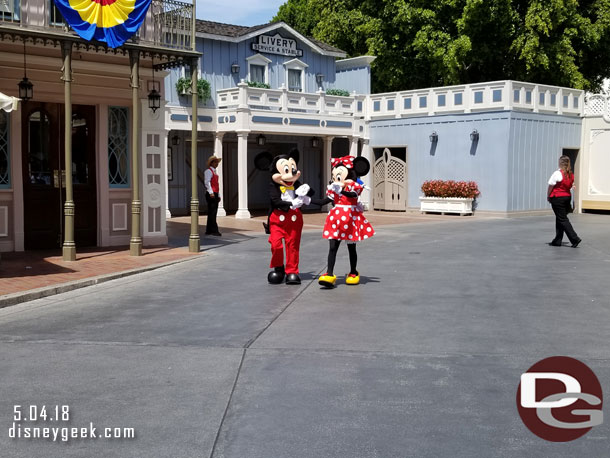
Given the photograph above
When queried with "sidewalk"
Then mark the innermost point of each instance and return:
(33, 274)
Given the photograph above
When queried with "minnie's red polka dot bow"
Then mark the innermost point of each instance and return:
(347, 161)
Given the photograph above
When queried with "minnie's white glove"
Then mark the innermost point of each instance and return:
(335, 187)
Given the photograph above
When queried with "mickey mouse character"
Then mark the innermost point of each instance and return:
(345, 221)
(285, 221)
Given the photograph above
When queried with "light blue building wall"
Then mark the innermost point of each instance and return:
(536, 141)
(219, 55)
(511, 162)
(354, 79)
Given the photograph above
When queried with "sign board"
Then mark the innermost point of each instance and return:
(276, 44)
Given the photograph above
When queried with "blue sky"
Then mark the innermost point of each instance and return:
(238, 12)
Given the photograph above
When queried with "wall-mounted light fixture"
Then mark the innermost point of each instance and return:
(433, 137)
(474, 135)
(175, 140)
(261, 140)
(315, 142)
(234, 67)
(319, 78)
(26, 88)
(154, 98)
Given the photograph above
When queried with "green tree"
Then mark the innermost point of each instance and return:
(442, 42)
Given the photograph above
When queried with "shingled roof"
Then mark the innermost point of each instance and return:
(236, 31)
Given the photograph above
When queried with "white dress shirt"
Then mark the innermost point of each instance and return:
(207, 179)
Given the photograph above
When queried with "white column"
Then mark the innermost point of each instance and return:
(353, 147)
(326, 169)
(166, 143)
(218, 153)
(368, 178)
(242, 176)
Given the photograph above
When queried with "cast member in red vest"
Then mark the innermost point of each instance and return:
(559, 195)
(212, 195)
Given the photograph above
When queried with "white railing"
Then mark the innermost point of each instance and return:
(597, 105)
(497, 95)
(245, 97)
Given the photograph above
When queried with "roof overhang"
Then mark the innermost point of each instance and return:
(271, 28)
(354, 62)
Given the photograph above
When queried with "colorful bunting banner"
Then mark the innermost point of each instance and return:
(110, 21)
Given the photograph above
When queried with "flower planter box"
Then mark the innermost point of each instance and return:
(460, 205)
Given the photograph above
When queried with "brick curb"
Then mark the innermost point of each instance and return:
(46, 291)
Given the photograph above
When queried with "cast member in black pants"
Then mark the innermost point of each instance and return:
(559, 196)
(212, 195)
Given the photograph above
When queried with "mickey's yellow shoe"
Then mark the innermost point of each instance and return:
(352, 279)
(327, 280)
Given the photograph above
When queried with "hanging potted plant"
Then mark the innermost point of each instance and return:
(183, 86)
(448, 196)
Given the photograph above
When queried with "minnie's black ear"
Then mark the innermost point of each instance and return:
(263, 161)
(294, 153)
(361, 166)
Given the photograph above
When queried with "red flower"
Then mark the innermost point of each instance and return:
(450, 188)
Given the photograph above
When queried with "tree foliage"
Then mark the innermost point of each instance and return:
(424, 43)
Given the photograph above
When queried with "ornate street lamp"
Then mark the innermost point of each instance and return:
(154, 98)
(26, 88)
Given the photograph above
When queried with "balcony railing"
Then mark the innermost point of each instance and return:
(597, 105)
(499, 95)
(10, 11)
(168, 23)
(289, 101)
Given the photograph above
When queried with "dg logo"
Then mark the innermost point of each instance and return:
(560, 399)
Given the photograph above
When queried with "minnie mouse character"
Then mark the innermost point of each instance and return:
(285, 221)
(345, 221)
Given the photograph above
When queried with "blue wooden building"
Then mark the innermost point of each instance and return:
(269, 93)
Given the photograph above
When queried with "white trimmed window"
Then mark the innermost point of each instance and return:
(295, 75)
(258, 68)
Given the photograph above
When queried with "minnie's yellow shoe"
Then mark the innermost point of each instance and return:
(327, 281)
(352, 279)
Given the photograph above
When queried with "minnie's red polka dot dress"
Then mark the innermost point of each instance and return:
(345, 221)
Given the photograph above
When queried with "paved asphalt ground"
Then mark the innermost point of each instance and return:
(423, 359)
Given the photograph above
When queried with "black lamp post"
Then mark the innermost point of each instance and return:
(433, 137)
(26, 88)
(474, 135)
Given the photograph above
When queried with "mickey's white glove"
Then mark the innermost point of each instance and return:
(299, 201)
(302, 190)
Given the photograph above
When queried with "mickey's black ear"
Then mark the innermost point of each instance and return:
(263, 161)
(361, 166)
(294, 153)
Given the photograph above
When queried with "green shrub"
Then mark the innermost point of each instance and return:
(257, 84)
(341, 92)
